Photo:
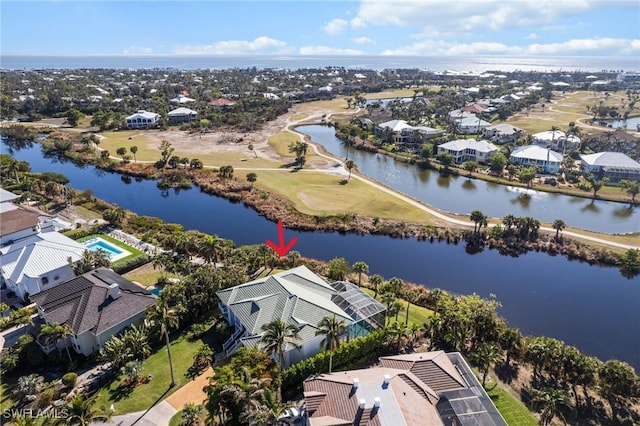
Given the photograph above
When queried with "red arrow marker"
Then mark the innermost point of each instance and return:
(281, 249)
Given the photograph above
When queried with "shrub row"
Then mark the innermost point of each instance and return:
(126, 265)
(357, 352)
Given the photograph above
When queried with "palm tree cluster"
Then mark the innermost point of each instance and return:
(299, 148)
(522, 227)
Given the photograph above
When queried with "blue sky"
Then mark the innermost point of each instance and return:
(307, 27)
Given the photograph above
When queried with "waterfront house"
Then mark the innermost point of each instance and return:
(613, 165)
(96, 306)
(300, 298)
(142, 119)
(33, 256)
(182, 115)
(403, 133)
(469, 149)
(543, 159)
(613, 140)
(471, 125)
(502, 133)
(423, 388)
(556, 140)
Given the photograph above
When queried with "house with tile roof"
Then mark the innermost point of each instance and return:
(613, 165)
(301, 298)
(33, 256)
(469, 149)
(425, 388)
(96, 306)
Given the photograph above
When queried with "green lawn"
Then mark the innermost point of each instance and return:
(417, 314)
(514, 411)
(146, 395)
(147, 278)
(134, 251)
(6, 395)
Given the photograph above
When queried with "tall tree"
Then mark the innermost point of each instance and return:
(558, 225)
(618, 384)
(161, 319)
(479, 220)
(332, 329)
(275, 338)
(631, 187)
(82, 412)
(53, 333)
(486, 355)
(134, 150)
(360, 268)
(550, 402)
(376, 280)
(350, 164)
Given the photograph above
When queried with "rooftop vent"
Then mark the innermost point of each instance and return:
(362, 402)
(114, 291)
(356, 383)
(376, 402)
(387, 379)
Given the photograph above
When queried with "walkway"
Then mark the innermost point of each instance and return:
(158, 415)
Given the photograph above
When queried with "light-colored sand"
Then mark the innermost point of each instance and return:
(192, 392)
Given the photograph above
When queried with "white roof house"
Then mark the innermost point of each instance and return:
(544, 159)
(298, 297)
(614, 165)
(180, 99)
(142, 118)
(468, 149)
(403, 132)
(182, 115)
(556, 139)
(38, 262)
(471, 125)
(502, 133)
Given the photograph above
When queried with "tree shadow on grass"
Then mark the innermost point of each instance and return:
(121, 392)
(507, 373)
(160, 398)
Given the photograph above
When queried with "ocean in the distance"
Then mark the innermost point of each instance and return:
(431, 63)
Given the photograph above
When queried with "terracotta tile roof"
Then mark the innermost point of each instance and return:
(221, 102)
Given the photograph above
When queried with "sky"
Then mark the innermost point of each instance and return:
(310, 27)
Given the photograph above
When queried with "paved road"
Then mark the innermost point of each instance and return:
(158, 415)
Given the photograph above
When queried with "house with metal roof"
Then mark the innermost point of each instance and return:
(613, 165)
(33, 256)
(181, 99)
(301, 298)
(424, 388)
(502, 133)
(182, 115)
(555, 139)
(468, 149)
(142, 118)
(403, 133)
(96, 306)
(543, 159)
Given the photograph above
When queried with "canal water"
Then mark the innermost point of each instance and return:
(458, 194)
(593, 308)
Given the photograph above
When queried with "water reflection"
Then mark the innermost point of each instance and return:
(591, 207)
(444, 181)
(469, 185)
(623, 212)
(523, 200)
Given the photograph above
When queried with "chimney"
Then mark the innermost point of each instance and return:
(363, 402)
(387, 379)
(114, 291)
(376, 402)
(356, 383)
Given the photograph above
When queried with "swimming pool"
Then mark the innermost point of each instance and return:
(114, 252)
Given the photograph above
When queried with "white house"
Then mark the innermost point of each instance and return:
(502, 133)
(556, 139)
(182, 115)
(96, 306)
(180, 99)
(300, 298)
(33, 257)
(142, 118)
(471, 125)
(468, 149)
(544, 159)
(613, 165)
(403, 133)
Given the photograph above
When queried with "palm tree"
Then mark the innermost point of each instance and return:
(253, 150)
(631, 187)
(275, 338)
(360, 268)
(410, 297)
(134, 150)
(293, 256)
(376, 280)
(388, 298)
(52, 333)
(161, 319)
(470, 166)
(331, 329)
(395, 284)
(558, 225)
(81, 412)
(485, 355)
(350, 165)
(479, 219)
(549, 403)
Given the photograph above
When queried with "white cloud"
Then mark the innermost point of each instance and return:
(335, 27)
(588, 45)
(358, 22)
(603, 46)
(137, 50)
(325, 50)
(532, 36)
(362, 40)
(435, 16)
(260, 45)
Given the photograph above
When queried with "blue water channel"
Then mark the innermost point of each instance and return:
(593, 308)
(458, 194)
